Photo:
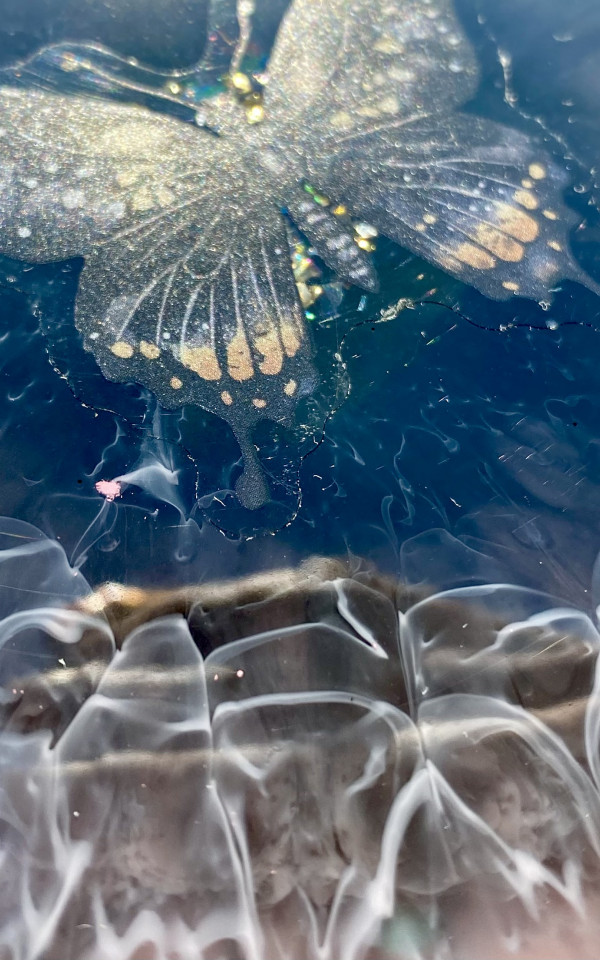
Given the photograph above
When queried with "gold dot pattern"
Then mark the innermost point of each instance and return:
(526, 199)
(474, 256)
(203, 361)
(537, 171)
(122, 350)
(522, 226)
(149, 350)
(290, 339)
(269, 345)
(239, 358)
(498, 243)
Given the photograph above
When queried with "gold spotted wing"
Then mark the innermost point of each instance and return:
(187, 286)
(375, 86)
(480, 199)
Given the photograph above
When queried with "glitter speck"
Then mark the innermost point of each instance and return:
(255, 113)
(71, 199)
(365, 230)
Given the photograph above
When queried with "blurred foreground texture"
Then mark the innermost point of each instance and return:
(311, 763)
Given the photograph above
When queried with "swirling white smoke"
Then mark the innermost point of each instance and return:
(301, 765)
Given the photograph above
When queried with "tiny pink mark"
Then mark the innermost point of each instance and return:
(109, 488)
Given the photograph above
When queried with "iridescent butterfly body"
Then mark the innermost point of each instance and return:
(187, 286)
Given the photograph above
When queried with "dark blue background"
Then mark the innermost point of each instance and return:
(468, 448)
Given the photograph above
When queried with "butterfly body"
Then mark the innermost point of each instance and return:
(187, 286)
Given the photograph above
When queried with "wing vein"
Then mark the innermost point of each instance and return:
(188, 313)
(269, 275)
(163, 305)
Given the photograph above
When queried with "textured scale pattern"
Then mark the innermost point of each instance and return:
(187, 286)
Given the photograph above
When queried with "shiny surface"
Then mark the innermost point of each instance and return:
(187, 286)
(214, 745)
(317, 762)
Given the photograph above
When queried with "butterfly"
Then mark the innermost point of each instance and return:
(187, 286)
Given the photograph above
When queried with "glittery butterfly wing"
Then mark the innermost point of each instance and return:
(343, 66)
(377, 114)
(481, 200)
(93, 70)
(187, 286)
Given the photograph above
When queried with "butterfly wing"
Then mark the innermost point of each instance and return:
(377, 84)
(187, 286)
(349, 65)
(93, 70)
(481, 200)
